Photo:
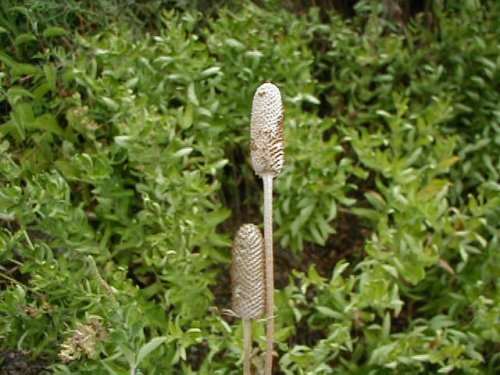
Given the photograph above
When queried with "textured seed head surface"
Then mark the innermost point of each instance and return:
(247, 273)
(266, 131)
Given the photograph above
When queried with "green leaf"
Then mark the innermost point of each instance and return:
(214, 70)
(67, 169)
(110, 103)
(123, 140)
(20, 70)
(340, 267)
(40, 91)
(7, 60)
(53, 32)
(149, 348)
(187, 119)
(182, 152)
(21, 117)
(233, 43)
(432, 189)
(317, 235)
(283, 334)
(50, 74)
(24, 38)
(326, 311)
(191, 93)
(47, 122)
(446, 369)
(376, 200)
(446, 163)
(413, 157)
(17, 92)
(366, 213)
(113, 369)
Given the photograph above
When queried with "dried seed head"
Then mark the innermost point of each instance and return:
(83, 341)
(266, 131)
(247, 273)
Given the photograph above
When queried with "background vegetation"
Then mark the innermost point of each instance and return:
(124, 170)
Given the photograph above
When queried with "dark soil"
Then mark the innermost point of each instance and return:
(19, 363)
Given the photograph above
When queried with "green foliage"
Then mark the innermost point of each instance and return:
(124, 167)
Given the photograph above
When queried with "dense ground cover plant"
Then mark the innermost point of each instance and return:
(124, 173)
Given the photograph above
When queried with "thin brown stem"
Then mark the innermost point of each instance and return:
(247, 337)
(268, 246)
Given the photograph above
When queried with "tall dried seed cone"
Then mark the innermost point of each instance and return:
(247, 273)
(266, 131)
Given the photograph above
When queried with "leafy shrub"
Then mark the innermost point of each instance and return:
(124, 169)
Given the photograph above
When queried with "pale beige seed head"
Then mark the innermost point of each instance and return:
(247, 273)
(266, 131)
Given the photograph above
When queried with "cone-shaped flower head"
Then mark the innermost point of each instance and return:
(247, 273)
(266, 131)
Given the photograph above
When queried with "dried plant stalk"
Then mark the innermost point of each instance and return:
(247, 273)
(268, 246)
(247, 339)
(266, 131)
(267, 152)
(248, 283)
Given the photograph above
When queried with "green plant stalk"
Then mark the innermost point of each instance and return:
(102, 283)
(247, 337)
(268, 246)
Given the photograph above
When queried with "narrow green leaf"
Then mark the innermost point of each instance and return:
(446, 163)
(53, 32)
(214, 70)
(113, 369)
(19, 69)
(123, 140)
(149, 348)
(47, 122)
(326, 311)
(24, 38)
(376, 200)
(110, 103)
(191, 93)
(17, 92)
(432, 188)
(316, 235)
(187, 119)
(339, 268)
(233, 43)
(50, 74)
(183, 152)
(446, 369)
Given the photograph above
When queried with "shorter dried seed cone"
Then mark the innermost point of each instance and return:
(247, 273)
(266, 131)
